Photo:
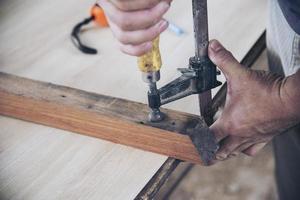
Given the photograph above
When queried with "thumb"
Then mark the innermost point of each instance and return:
(217, 130)
(223, 59)
(254, 149)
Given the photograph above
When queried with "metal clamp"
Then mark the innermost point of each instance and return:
(199, 77)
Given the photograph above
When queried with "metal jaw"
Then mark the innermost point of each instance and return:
(151, 78)
(154, 103)
(199, 77)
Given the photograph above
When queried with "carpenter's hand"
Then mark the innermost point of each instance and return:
(255, 109)
(135, 23)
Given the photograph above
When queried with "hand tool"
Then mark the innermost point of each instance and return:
(199, 78)
(98, 16)
(201, 51)
(150, 65)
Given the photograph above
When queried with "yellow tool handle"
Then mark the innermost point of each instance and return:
(151, 61)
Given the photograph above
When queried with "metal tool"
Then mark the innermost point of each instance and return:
(150, 65)
(203, 139)
(198, 78)
(201, 50)
(98, 16)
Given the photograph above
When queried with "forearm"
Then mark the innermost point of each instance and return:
(290, 95)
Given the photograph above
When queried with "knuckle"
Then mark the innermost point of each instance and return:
(228, 126)
(224, 56)
(122, 22)
(123, 49)
(149, 18)
(156, 18)
(138, 51)
(122, 38)
(127, 50)
(132, 50)
(123, 5)
(155, 15)
(233, 128)
(153, 33)
(152, 3)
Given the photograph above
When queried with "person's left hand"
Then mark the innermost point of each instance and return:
(257, 107)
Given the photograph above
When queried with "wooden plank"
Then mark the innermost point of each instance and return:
(116, 120)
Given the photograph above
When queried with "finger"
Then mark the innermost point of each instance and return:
(140, 36)
(129, 5)
(218, 131)
(244, 146)
(135, 20)
(136, 50)
(228, 146)
(223, 59)
(240, 149)
(212, 162)
(233, 154)
(254, 149)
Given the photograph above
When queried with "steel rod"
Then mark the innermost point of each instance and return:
(200, 28)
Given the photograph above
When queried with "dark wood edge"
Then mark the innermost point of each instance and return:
(157, 181)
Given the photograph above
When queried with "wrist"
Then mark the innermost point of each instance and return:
(290, 95)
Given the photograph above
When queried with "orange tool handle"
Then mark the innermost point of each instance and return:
(99, 16)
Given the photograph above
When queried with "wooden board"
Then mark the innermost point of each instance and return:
(116, 120)
(38, 162)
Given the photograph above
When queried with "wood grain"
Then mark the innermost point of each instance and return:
(116, 120)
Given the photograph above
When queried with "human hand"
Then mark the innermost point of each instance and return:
(256, 107)
(136, 23)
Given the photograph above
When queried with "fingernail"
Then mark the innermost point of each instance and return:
(215, 46)
(221, 156)
(233, 155)
(163, 25)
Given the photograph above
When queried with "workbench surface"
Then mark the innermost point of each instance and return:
(39, 162)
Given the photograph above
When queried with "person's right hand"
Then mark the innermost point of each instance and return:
(136, 23)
